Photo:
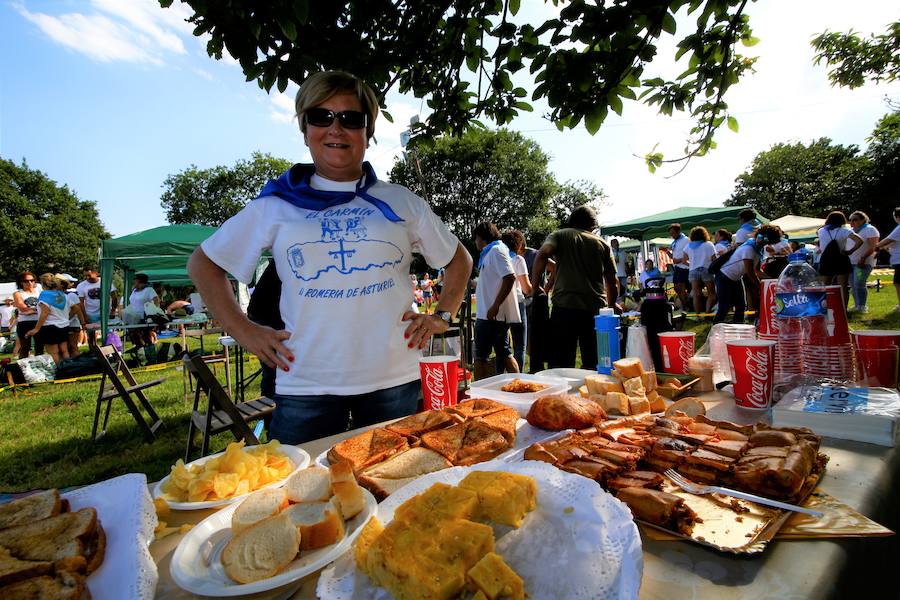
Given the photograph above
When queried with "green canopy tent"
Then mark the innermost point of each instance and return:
(161, 252)
(654, 226)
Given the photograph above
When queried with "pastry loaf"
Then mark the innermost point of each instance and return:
(261, 550)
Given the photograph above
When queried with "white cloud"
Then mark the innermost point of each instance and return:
(128, 31)
(204, 74)
(282, 104)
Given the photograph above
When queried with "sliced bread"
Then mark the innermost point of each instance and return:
(30, 508)
(319, 523)
(690, 406)
(13, 569)
(309, 485)
(412, 463)
(349, 498)
(261, 550)
(66, 585)
(62, 539)
(342, 471)
(382, 487)
(258, 506)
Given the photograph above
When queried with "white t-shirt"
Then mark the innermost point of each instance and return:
(345, 282)
(138, 298)
(621, 257)
(90, 292)
(734, 267)
(744, 232)
(6, 313)
(721, 246)
(678, 247)
(894, 248)
(73, 318)
(497, 265)
(840, 235)
(519, 268)
(700, 256)
(58, 315)
(867, 232)
(31, 301)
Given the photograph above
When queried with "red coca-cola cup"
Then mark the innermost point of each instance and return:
(677, 348)
(837, 328)
(768, 323)
(440, 381)
(876, 338)
(752, 372)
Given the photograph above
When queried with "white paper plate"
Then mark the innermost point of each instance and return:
(579, 543)
(298, 456)
(575, 377)
(127, 515)
(190, 571)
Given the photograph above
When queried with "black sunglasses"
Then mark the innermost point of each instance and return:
(349, 119)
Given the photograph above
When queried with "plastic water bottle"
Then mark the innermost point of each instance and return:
(800, 308)
(607, 325)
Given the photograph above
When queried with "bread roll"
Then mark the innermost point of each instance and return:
(318, 523)
(629, 367)
(350, 498)
(657, 404)
(616, 403)
(309, 485)
(342, 471)
(634, 387)
(256, 507)
(261, 550)
(638, 405)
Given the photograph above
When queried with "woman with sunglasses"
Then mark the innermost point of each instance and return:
(25, 299)
(342, 241)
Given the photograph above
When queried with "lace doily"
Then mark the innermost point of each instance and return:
(580, 542)
(126, 512)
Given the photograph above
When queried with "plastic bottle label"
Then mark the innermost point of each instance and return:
(800, 304)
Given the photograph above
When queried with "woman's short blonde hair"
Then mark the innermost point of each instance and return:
(49, 281)
(321, 86)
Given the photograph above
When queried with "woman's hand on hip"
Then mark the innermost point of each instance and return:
(267, 344)
(422, 327)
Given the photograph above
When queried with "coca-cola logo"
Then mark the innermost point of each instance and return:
(757, 363)
(771, 321)
(685, 350)
(435, 384)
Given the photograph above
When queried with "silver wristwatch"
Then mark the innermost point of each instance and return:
(444, 316)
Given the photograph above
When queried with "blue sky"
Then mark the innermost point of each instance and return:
(111, 96)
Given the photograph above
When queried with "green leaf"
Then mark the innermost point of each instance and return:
(750, 41)
(472, 62)
(595, 118)
(288, 29)
(732, 124)
(387, 116)
(615, 103)
(514, 6)
(301, 11)
(668, 23)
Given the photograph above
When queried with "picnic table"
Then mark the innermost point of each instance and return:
(863, 476)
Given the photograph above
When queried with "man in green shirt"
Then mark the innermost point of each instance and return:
(585, 283)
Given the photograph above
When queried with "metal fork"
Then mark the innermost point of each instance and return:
(698, 489)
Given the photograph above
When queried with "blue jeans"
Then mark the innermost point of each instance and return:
(858, 277)
(519, 332)
(299, 419)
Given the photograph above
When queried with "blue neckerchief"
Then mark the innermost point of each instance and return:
(758, 248)
(56, 299)
(653, 273)
(861, 227)
(749, 225)
(695, 244)
(486, 249)
(293, 186)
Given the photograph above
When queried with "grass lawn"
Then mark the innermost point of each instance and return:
(45, 430)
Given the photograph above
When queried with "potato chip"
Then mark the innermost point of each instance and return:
(224, 484)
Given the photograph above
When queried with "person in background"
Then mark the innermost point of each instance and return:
(537, 309)
(89, 296)
(892, 241)
(74, 330)
(515, 241)
(620, 258)
(25, 299)
(264, 309)
(55, 308)
(722, 241)
(342, 241)
(743, 263)
(748, 225)
(495, 302)
(141, 293)
(681, 272)
(700, 252)
(834, 262)
(775, 257)
(426, 284)
(650, 272)
(862, 260)
(7, 315)
(585, 282)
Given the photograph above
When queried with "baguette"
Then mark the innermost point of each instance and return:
(342, 471)
(349, 498)
(318, 524)
(311, 485)
(629, 367)
(261, 550)
(256, 507)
